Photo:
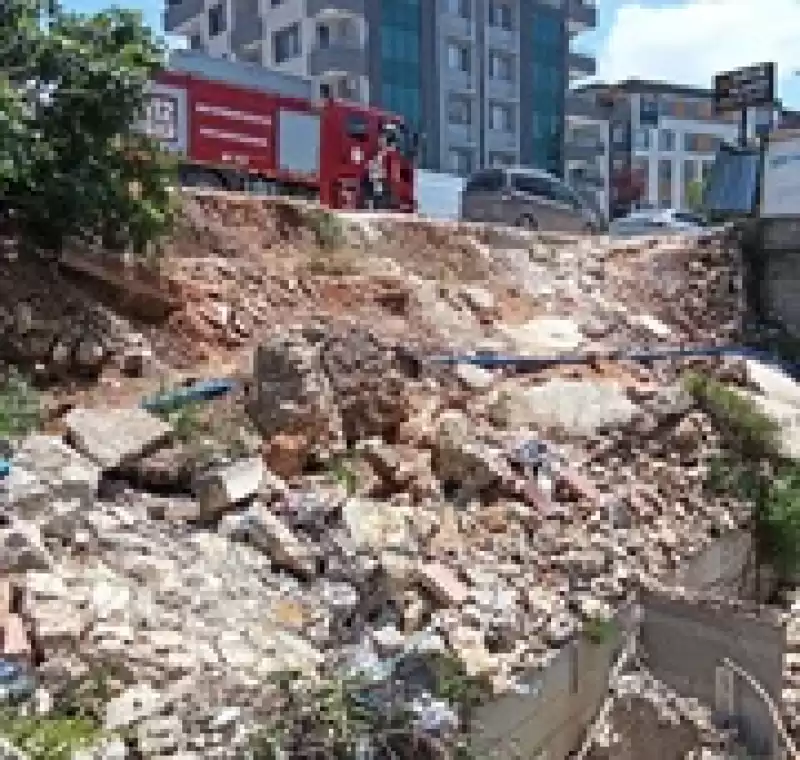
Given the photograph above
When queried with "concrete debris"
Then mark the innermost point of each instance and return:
(114, 437)
(223, 487)
(496, 511)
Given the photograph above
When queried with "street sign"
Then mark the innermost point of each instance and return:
(741, 88)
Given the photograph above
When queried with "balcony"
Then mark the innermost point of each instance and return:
(248, 26)
(506, 40)
(581, 65)
(348, 57)
(584, 106)
(179, 12)
(461, 136)
(583, 150)
(502, 89)
(316, 8)
(500, 141)
(581, 16)
(459, 81)
(457, 26)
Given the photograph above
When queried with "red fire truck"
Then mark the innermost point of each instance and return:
(239, 126)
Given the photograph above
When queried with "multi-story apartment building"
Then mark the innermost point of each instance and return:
(484, 81)
(657, 136)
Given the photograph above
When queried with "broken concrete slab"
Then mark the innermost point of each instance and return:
(268, 533)
(44, 469)
(441, 582)
(114, 437)
(377, 525)
(773, 382)
(578, 407)
(545, 336)
(22, 549)
(223, 487)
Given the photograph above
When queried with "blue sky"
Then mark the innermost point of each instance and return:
(684, 41)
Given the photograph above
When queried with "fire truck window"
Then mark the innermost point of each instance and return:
(357, 126)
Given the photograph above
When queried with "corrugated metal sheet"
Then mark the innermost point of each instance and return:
(731, 186)
(439, 195)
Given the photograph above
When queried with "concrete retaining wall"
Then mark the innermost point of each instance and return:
(684, 642)
(554, 717)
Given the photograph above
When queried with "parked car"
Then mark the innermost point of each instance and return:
(657, 222)
(527, 198)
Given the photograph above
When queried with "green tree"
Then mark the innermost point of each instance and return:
(754, 467)
(71, 162)
(694, 196)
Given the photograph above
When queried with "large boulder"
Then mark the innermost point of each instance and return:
(291, 397)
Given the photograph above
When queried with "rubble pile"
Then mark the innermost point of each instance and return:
(649, 714)
(385, 497)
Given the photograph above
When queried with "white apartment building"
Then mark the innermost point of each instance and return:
(483, 81)
(662, 135)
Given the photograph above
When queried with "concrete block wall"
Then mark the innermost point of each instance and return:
(685, 639)
(564, 700)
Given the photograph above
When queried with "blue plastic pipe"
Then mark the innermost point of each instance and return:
(495, 361)
(205, 390)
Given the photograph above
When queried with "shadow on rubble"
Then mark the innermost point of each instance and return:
(63, 326)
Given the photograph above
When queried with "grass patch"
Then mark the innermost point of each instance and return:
(48, 737)
(20, 406)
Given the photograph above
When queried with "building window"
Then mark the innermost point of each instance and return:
(286, 43)
(460, 8)
(666, 140)
(665, 183)
(458, 58)
(500, 67)
(401, 74)
(641, 139)
(459, 111)
(460, 162)
(500, 118)
(500, 15)
(216, 20)
(195, 42)
(323, 36)
(325, 90)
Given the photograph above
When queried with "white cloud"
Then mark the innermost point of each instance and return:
(690, 42)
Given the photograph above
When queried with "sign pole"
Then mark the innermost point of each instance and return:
(743, 127)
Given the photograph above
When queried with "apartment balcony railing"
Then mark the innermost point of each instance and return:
(461, 135)
(345, 56)
(454, 25)
(316, 7)
(581, 16)
(585, 107)
(459, 81)
(502, 89)
(581, 65)
(583, 150)
(503, 39)
(180, 11)
(248, 27)
(499, 141)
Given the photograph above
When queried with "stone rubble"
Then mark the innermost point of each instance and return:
(500, 509)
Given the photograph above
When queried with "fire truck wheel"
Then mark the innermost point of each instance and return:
(527, 222)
